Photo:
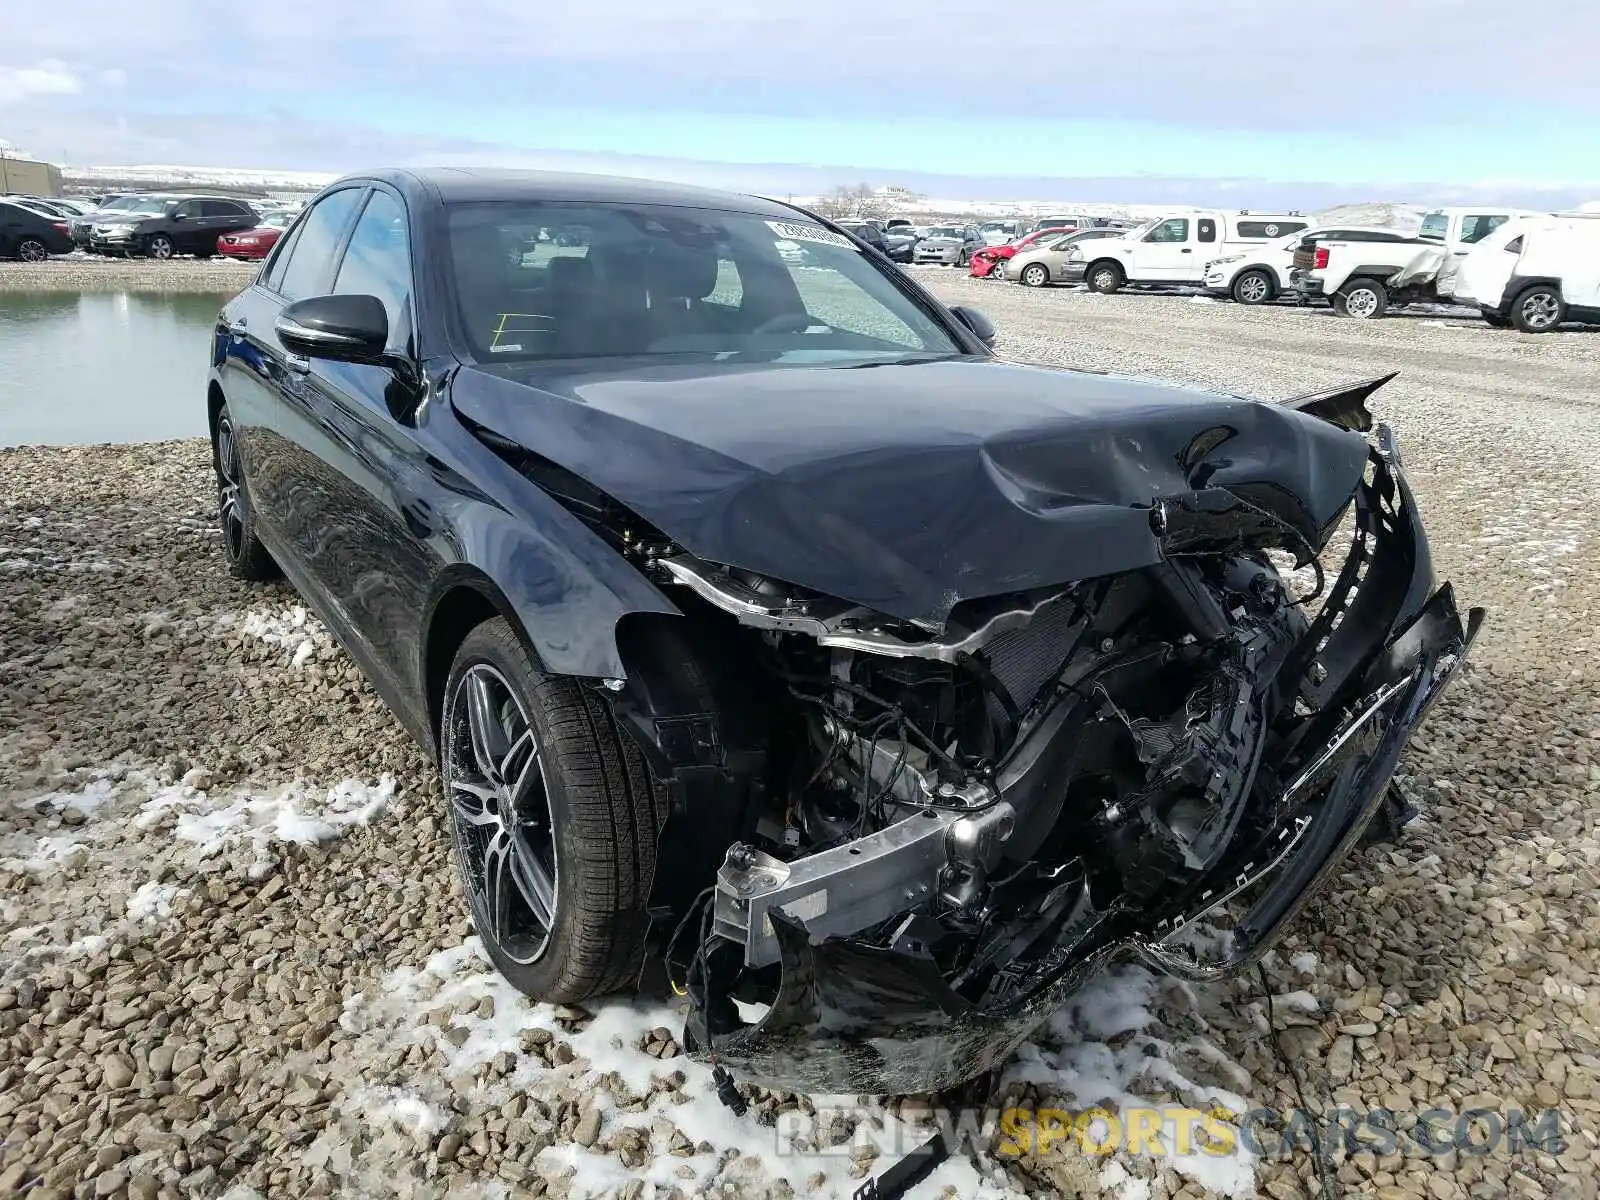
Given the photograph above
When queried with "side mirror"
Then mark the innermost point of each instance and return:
(351, 329)
(981, 326)
(180, 216)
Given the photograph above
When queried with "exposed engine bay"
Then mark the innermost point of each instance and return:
(897, 844)
(991, 795)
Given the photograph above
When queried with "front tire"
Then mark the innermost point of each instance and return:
(1362, 299)
(1106, 278)
(247, 558)
(1035, 275)
(555, 818)
(1253, 287)
(159, 246)
(1540, 309)
(32, 250)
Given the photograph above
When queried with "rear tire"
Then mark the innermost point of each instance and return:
(1105, 278)
(1035, 275)
(1538, 309)
(247, 558)
(1254, 287)
(1362, 299)
(32, 250)
(585, 804)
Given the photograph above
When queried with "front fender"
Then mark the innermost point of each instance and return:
(566, 587)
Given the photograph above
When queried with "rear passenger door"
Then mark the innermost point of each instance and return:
(264, 383)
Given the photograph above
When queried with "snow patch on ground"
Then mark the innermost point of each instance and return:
(104, 860)
(294, 629)
(244, 827)
(475, 1031)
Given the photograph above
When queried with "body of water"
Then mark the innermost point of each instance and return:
(103, 366)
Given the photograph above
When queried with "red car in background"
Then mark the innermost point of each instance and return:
(984, 261)
(255, 243)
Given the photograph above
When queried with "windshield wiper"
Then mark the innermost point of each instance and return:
(901, 362)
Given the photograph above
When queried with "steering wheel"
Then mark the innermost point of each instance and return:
(789, 322)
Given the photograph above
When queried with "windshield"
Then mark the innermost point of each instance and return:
(147, 206)
(569, 280)
(944, 231)
(1435, 226)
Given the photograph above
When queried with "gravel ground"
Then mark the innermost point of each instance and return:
(233, 958)
(81, 272)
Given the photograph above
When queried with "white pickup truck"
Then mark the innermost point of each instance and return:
(1175, 248)
(1363, 279)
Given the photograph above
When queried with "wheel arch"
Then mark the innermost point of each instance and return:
(1105, 260)
(1274, 286)
(215, 399)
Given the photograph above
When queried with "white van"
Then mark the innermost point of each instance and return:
(1175, 248)
(1535, 273)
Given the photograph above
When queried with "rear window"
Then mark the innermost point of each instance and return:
(1268, 229)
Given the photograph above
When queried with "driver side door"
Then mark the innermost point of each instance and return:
(1167, 252)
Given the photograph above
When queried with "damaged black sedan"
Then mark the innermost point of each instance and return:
(776, 643)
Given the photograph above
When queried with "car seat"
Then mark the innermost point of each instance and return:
(679, 278)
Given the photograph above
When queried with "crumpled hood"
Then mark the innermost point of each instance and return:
(910, 487)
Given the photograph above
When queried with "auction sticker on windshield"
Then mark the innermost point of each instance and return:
(810, 233)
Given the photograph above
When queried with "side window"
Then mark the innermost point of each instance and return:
(309, 262)
(1477, 226)
(1174, 230)
(1208, 229)
(188, 210)
(1268, 229)
(272, 275)
(378, 260)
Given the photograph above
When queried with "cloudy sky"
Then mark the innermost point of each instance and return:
(1414, 99)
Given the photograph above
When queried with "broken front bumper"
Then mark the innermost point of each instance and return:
(854, 1017)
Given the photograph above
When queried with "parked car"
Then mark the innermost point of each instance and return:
(111, 206)
(952, 245)
(161, 227)
(1263, 273)
(30, 235)
(869, 232)
(686, 609)
(1534, 273)
(998, 233)
(256, 243)
(45, 208)
(1175, 249)
(986, 262)
(1054, 258)
(1067, 222)
(900, 242)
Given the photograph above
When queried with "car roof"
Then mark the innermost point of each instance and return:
(476, 185)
